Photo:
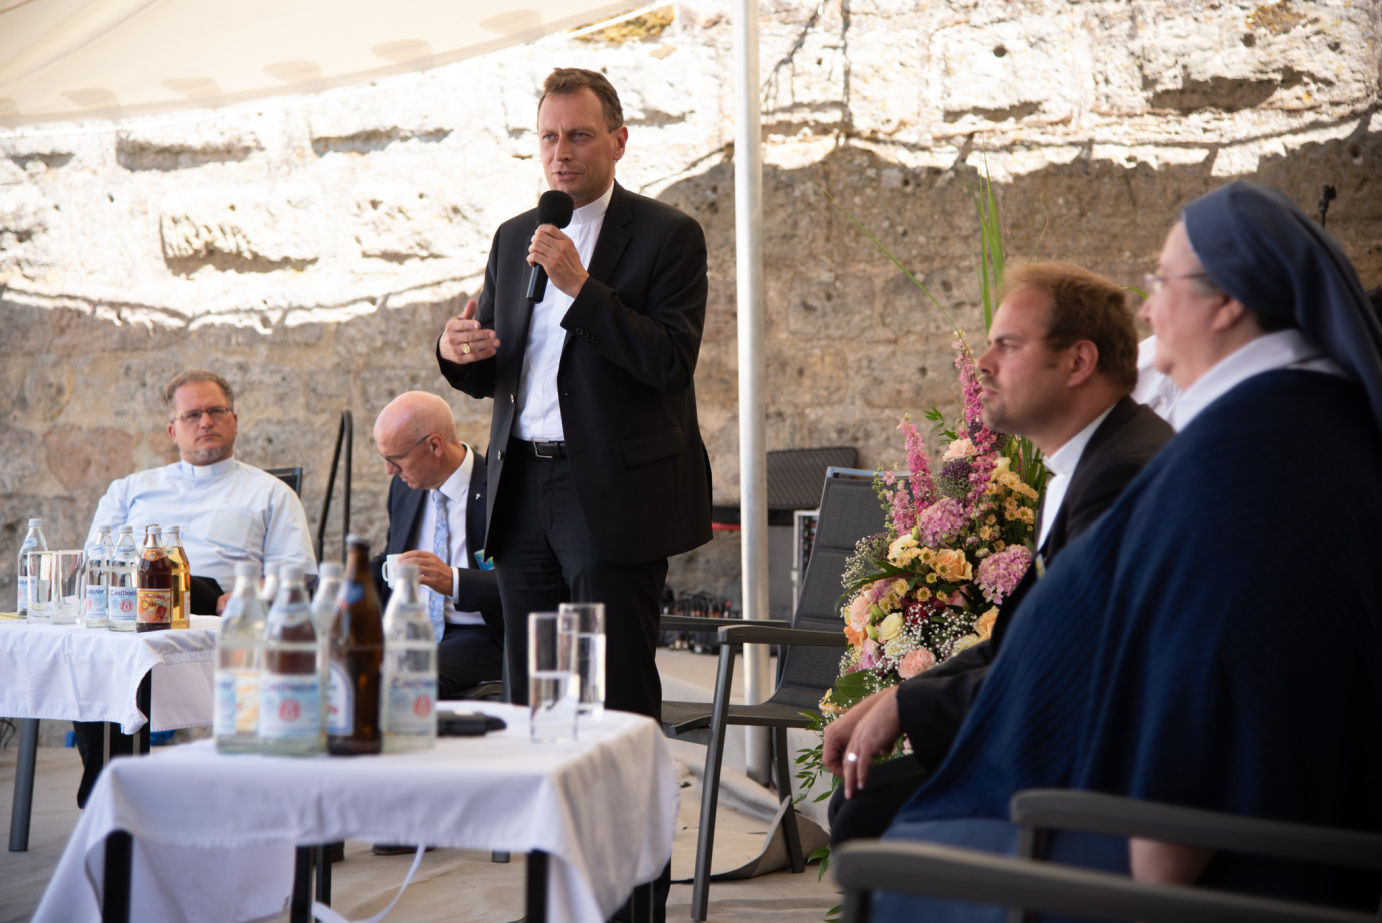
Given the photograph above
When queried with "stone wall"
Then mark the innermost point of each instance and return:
(311, 249)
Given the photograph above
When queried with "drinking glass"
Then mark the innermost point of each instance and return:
(69, 573)
(40, 586)
(590, 655)
(553, 695)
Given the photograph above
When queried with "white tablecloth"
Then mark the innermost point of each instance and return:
(63, 672)
(214, 833)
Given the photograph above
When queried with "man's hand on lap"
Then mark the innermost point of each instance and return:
(875, 735)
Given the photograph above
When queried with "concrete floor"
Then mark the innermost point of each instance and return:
(447, 879)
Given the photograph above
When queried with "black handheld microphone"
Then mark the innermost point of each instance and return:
(554, 208)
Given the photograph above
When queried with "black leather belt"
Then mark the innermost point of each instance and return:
(539, 449)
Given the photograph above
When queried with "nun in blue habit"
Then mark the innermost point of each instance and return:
(1216, 640)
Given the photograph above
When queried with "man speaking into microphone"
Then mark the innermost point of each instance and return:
(597, 472)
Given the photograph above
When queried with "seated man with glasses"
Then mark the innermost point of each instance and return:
(437, 521)
(228, 512)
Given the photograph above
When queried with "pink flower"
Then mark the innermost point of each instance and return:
(1001, 572)
(918, 464)
(940, 520)
(918, 661)
(868, 655)
(859, 612)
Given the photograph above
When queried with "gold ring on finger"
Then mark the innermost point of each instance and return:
(465, 348)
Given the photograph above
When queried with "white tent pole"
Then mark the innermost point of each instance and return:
(753, 468)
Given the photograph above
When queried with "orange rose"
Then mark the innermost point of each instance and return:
(952, 565)
(983, 625)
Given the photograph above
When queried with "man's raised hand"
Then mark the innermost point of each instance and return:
(464, 340)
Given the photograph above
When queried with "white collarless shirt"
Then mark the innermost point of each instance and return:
(1284, 349)
(230, 513)
(539, 412)
(1062, 464)
(455, 489)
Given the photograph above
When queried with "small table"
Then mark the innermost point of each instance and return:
(64, 672)
(214, 835)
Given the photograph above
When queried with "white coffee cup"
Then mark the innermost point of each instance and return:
(391, 564)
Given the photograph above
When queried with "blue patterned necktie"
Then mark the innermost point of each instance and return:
(441, 547)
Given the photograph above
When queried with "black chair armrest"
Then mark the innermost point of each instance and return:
(1097, 812)
(697, 623)
(764, 632)
(969, 875)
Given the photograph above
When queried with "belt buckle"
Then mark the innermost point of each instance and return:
(537, 449)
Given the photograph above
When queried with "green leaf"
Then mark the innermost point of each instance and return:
(895, 261)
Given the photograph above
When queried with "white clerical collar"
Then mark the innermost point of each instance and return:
(1066, 459)
(213, 470)
(454, 487)
(1267, 353)
(592, 211)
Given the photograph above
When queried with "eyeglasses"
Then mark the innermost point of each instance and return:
(193, 417)
(395, 459)
(1153, 283)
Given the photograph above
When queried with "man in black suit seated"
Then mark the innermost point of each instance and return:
(437, 521)
(1061, 362)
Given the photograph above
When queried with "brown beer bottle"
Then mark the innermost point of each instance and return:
(153, 607)
(355, 654)
(182, 578)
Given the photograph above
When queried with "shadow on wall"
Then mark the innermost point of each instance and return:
(851, 344)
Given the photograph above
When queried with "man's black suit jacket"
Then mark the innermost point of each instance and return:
(626, 378)
(477, 590)
(932, 706)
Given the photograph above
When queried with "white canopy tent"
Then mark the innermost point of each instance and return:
(80, 60)
(64, 60)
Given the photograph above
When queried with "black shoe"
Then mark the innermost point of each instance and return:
(395, 849)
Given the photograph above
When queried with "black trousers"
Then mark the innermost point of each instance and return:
(90, 742)
(467, 656)
(544, 555)
(872, 809)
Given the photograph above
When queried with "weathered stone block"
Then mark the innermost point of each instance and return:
(19, 449)
(88, 457)
(47, 388)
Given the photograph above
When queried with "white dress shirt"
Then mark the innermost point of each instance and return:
(539, 413)
(455, 489)
(1280, 350)
(1155, 389)
(1062, 464)
(229, 512)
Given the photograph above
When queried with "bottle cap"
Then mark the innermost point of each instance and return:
(174, 530)
(247, 569)
(409, 571)
(290, 573)
(127, 530)
(35, 522)
(353, 539)
(330, 569)
(270, 570)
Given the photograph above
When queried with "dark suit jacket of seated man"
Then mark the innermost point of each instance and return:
(1125, 436)
(471, 649)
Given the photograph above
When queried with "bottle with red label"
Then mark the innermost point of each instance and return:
(290, 678)
(408, 687)
(154, 593)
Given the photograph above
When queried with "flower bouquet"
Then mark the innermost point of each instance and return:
(957, 544)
